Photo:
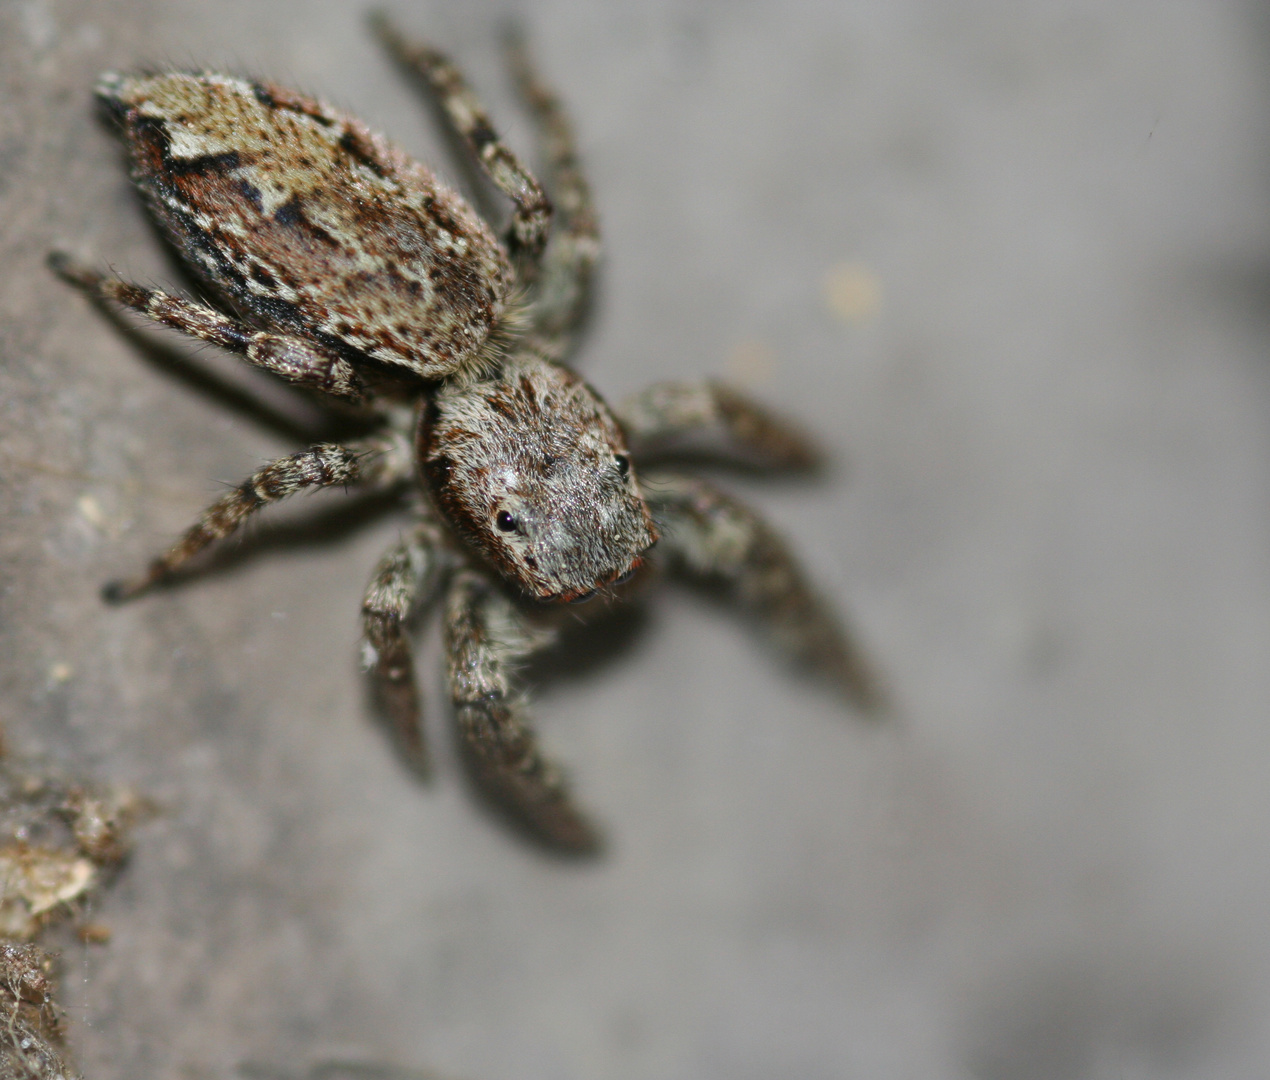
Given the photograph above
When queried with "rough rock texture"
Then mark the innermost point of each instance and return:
(1010, 258)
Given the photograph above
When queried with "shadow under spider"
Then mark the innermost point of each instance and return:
(590, 643)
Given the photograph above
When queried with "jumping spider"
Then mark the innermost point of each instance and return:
(347, 268)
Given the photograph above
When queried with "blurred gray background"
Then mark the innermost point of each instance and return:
(1012, 261)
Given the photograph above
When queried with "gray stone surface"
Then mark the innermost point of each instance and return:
(1051, 529)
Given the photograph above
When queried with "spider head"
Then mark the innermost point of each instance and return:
(532, 469)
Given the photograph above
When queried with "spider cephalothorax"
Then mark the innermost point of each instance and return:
(530, 466)
(346, 267)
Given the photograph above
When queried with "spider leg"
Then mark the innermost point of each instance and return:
(565, 283)
(531, 220)
(322, 465)
(712, 535)
(406, 576)
(665, 413)
(293, 358)
(486, 637)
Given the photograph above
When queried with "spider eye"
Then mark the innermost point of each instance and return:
(505, 521)
(623, 464)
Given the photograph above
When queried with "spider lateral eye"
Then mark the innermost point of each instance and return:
(623, 464)
(505, 521)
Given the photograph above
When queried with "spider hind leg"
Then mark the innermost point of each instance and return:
(293, 358)
(531, 220)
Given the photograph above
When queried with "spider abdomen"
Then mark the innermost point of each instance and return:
(306, 220)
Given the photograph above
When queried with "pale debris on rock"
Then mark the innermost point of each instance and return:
(59, 839)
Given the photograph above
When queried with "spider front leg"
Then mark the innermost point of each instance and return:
(531, 220)
(406, 577)
(714, 536)
(662, 416)
(293, 358)
(487, 636)
(323, 465)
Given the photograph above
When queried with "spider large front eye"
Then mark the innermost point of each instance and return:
(623, 464)
(505, 521)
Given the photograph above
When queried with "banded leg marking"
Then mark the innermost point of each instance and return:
(531, 220)
(323, 465)
(293, 358)
(564, 288)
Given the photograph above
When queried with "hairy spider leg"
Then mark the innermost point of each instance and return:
(487, 636)
(564, 288)
(295, 359)
(667, 411)
(710, 534)
(320, 466)
(531, 220)
(405, 578)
